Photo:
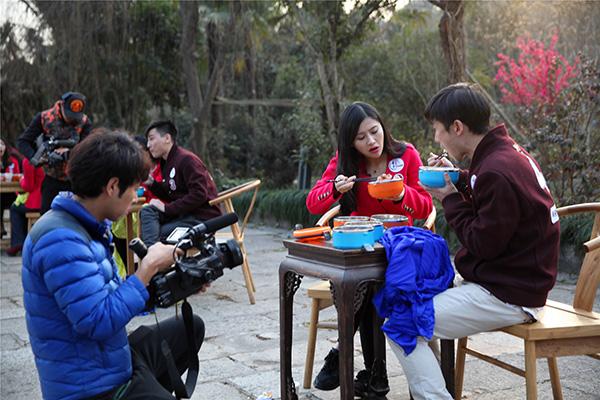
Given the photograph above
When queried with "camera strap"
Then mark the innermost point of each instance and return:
(183, 391)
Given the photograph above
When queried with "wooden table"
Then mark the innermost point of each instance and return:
(350, 272)
(10, 187)
(135, 208)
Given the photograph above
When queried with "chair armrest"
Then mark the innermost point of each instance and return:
(429, 223)
(592, 245)
(578, 208)
(229, 193)
(328, 215)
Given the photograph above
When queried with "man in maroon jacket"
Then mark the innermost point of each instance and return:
(184, 192)
(503, 214)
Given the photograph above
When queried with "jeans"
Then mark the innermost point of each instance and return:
(156, 226)
(18, 224)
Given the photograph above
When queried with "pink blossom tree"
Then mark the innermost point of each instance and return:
(537, 76)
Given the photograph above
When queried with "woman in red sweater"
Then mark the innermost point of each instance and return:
(367, 149)
(30, 201)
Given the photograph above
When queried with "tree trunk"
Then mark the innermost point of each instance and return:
(200, 106)
(189, 31)
(452, 36)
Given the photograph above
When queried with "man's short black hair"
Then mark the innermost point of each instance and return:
(463, 102)
(163, 127)
(103, 155)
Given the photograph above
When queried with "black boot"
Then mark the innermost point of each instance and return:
(361, 383)
(328, 377)
(378, 382)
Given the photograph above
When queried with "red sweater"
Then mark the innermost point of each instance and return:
(13, 165)
(507, 223)
(31, 182)
(415, 204)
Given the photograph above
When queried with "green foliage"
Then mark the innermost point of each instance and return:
(398, 72)
(125, 57)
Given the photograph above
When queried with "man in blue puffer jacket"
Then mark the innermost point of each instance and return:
(76, 305)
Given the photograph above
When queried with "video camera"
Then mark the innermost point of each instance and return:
(45, 151)
(190, 273)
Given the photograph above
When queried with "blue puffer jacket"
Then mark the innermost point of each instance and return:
(76, 305)
(419, 268)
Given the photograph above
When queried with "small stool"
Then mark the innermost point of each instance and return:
(321, 299)
(31, 218)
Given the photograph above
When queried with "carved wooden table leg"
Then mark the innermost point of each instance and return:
(289, 281)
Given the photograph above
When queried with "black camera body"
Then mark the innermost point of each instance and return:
(45, 151)
(191, 272)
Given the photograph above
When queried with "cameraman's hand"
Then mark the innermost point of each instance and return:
(159, 257)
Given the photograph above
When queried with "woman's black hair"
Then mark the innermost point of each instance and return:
(103, 155)
(5, 155)
(461, 101)
(349, 159)
(10, 151)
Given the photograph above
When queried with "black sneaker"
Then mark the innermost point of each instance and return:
(328, 377)
(378, 383)
(361, 383)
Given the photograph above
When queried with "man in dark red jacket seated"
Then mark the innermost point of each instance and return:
(184, 192)
(503, 214)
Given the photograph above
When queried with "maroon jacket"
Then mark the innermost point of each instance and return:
(187, 186)
(507, 223)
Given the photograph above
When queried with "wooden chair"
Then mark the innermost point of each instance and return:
(321, 298)
(224, 200)
(561, 330)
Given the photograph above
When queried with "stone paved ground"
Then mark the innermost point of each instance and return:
(240, 357)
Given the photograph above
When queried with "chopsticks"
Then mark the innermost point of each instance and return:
(439, 157)
(370, 179)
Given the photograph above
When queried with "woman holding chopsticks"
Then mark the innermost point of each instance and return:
(367, 152)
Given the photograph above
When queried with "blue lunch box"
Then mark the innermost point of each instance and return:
(353, 236)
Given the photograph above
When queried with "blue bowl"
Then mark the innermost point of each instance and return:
(434, 176)
(352, 237)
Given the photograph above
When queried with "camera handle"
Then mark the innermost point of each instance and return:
(182, 391)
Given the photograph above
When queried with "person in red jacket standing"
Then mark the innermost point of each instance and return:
(9, 164)
(505, 218)
(30, 201)
(367, 149)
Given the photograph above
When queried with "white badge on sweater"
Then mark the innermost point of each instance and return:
(172, 184)
(396, 165)
(554, 214)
